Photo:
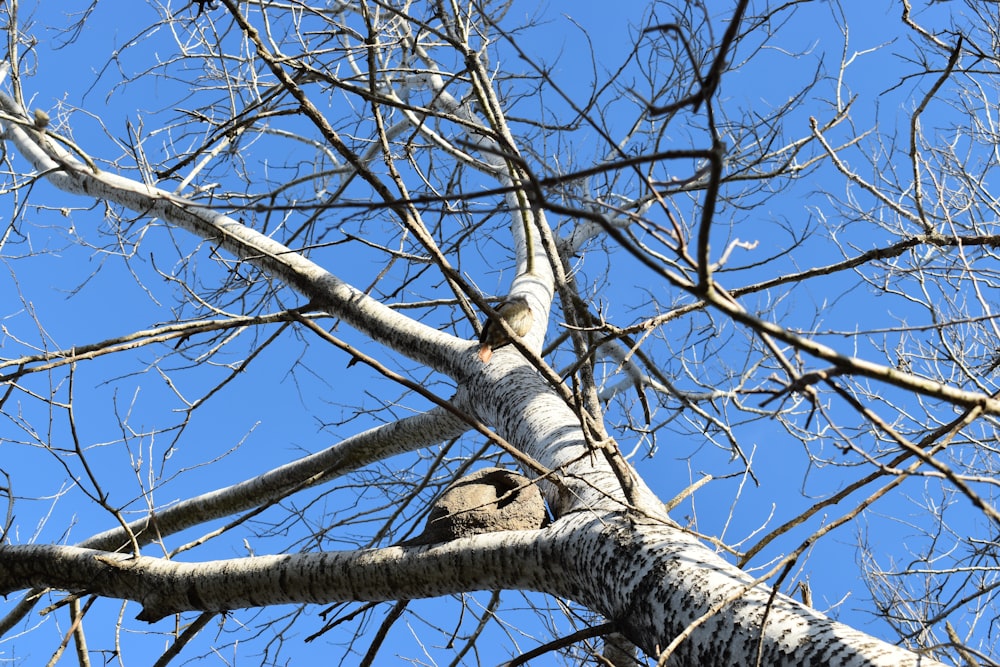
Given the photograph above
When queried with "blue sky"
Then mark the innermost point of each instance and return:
(290, 403)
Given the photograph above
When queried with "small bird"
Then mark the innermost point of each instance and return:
(517, 314)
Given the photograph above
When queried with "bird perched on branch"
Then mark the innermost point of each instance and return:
(517, 314)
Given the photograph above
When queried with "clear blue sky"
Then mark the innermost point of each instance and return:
(282, 409)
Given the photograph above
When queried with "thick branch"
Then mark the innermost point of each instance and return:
(660, 585)
(485, 562)
(381, 323)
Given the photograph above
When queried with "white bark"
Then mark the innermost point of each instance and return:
(654, 580)
(659, 582)
(164, 587)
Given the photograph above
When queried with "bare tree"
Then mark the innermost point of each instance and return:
(746, 263)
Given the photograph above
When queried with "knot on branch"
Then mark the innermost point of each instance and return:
(487, 501)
